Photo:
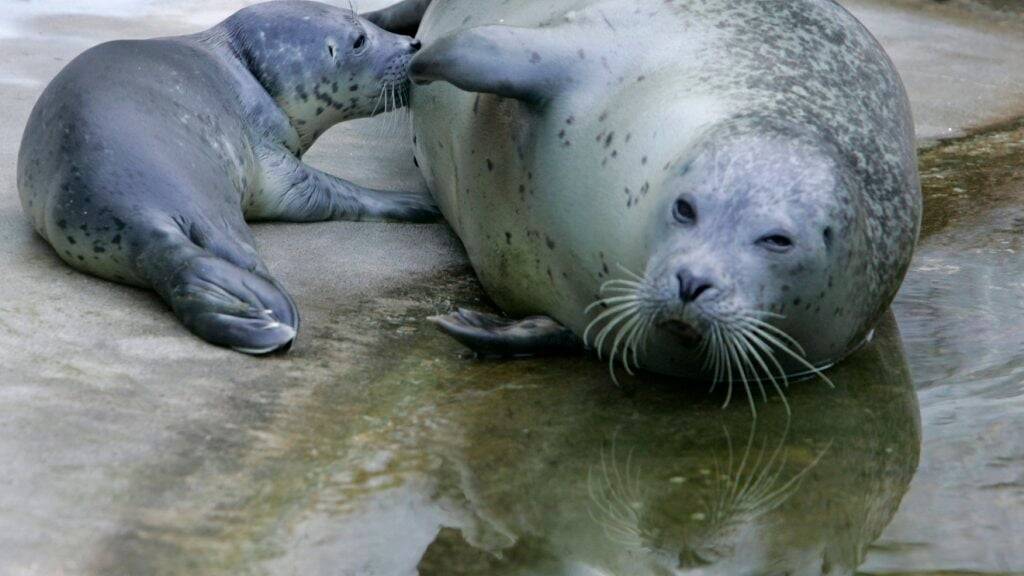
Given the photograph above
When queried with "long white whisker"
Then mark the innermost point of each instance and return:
(613, 311)
(800, 359)
(611, 302)
(756, 340)
(635, 276)
(622, 282)
(728, 367)
(742, 373)
(609, 328)
(641, 339)
(746, 339)
(626, 328)
(741, 349)
(778, 332)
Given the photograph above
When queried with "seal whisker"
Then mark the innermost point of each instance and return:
(619, 286)
(717, 356)
(728, 368)
(623, 281)
(608, 328)
(709, 349)
(611, 327)
(758, 342)
(795, 356)
(741, 371)
(627, 328)
(642, 338)
(627, 322)
(611, 301)
(719, 359)
(778, 332)
(634, 275)
(746, 337)
(613, 311)
(628, 344)
(741, 349)
(380, 98)
(767, 351)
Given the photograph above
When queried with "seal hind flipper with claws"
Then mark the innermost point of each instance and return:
(491, 336)
(148, 178)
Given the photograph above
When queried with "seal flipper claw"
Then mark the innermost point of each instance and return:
(401, 18)
(528, 64)
(220, 302)
(493, 336)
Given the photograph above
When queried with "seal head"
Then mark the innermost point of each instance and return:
(322, 65)
(758, 239)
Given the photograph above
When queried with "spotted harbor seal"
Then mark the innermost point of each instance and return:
(719, 189)
(142, 160)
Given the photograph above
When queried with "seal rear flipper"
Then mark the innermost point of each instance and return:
(528, 64)
(220, 302)
(493, 336)
(401, 18)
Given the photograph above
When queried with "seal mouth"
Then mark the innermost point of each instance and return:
(689, 335)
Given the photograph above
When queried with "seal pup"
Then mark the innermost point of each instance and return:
(143, 160)
(716, 189)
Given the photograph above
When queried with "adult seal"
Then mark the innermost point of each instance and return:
(724, 189)
(143, 160)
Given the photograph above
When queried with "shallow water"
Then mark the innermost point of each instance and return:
(961, 311)
(427, 462)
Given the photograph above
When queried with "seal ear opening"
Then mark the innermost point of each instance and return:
(527, 64)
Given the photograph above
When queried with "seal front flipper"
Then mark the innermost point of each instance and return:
(528, 64)
(493, 336)
(295, 192)
(402, 18)
(219, 301)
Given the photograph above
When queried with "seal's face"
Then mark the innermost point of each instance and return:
(323, 64)
(750, 256)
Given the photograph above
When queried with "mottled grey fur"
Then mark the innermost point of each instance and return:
(575, 131)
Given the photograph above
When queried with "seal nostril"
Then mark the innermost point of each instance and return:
(699, 290)
(691, 287)
(415, 45)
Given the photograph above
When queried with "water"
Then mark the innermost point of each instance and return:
(962, 315)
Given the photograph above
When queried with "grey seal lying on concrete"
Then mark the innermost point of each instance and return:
(723, 189)
(143, 160)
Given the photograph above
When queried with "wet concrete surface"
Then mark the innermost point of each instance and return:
(128, 447)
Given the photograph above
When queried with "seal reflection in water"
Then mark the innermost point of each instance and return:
(143, 160)
(665, 486)
(723, 189)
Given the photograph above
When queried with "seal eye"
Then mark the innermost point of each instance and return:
(359, 43)
(777, 242)
(684, 212)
